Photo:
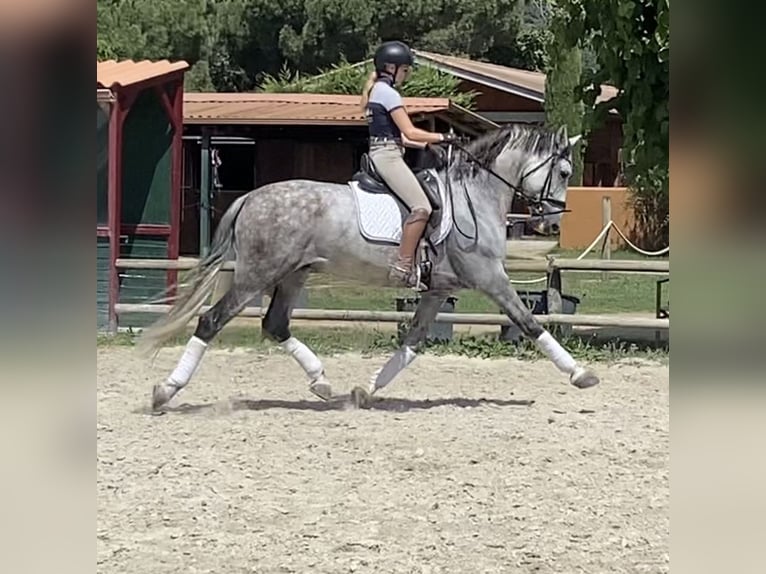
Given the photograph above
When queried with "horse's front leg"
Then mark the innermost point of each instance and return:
(498, 288)
(427, 309)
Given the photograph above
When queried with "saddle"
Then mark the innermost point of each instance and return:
(370, 181)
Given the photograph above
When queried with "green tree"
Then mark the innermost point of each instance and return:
(239, 43)
(631, 41)
(563, 103)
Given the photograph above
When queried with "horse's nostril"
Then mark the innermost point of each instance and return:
(555, 228)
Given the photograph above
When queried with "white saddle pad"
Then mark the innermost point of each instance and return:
(380, 218)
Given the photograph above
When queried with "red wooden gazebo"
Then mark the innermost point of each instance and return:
(154, 203)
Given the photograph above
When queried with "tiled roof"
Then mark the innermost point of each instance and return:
(523, 82)
(114, 74)
(281, 109)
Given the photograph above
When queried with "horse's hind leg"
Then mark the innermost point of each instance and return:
(209, 325)
(276, 325)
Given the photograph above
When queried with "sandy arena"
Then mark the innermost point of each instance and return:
(469, 466)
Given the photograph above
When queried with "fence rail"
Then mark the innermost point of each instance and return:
(552, 267)
(511, 266)
(397, 316)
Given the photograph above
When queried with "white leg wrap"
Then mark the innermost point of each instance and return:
(188, 363)
(556, 353)
(305, 357)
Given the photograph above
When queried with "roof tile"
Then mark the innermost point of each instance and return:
(280, 108)
(115, 74)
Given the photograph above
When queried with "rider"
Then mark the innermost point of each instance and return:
(390, 130)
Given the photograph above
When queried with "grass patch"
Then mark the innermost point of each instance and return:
(327, 341)
(598, 294)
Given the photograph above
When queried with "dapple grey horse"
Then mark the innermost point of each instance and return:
(280, 232)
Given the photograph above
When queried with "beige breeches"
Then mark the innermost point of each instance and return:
(389, 163)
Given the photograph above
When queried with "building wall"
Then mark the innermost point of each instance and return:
(581, 225)
(600, 166)
(277, 160)
(492, 100)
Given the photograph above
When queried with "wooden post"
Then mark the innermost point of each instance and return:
(204, 197)
(114, 203)
(176, 179)
(606, 217)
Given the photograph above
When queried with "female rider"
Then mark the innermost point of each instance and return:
(390, 129)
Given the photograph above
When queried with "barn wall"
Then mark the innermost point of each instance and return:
(277, 160)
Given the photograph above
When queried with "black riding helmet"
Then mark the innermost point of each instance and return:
(393, 52)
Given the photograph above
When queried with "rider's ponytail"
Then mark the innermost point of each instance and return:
(368, 87)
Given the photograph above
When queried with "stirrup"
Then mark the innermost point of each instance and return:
(409, 277)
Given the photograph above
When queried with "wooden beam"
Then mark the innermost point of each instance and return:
(170, 106)
(454, 318)
(139, 229)
(176, 180)
(114, 205)
(511, 265)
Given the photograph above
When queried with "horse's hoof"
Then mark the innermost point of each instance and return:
(161, 394)
(321, 388)
(361, 398)
(583, 379)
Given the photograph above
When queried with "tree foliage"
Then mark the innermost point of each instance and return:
(347, 78)
(563, 103)
(236, 45)
(631, 42)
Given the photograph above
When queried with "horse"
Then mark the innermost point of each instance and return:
(280, 232)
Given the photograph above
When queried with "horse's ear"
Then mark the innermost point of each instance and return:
(561, 136)
(574, 139)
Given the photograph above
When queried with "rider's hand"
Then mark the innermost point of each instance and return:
(449, 137)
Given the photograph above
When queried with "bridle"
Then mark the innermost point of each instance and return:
(535, 202)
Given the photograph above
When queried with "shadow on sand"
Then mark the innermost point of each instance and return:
(341, 403)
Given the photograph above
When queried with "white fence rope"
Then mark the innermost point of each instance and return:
(603, 235)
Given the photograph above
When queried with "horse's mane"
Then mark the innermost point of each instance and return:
(528, 138)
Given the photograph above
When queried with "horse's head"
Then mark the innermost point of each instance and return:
(533, 163)
(539, 164)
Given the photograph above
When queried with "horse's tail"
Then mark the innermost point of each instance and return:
(198, 285)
